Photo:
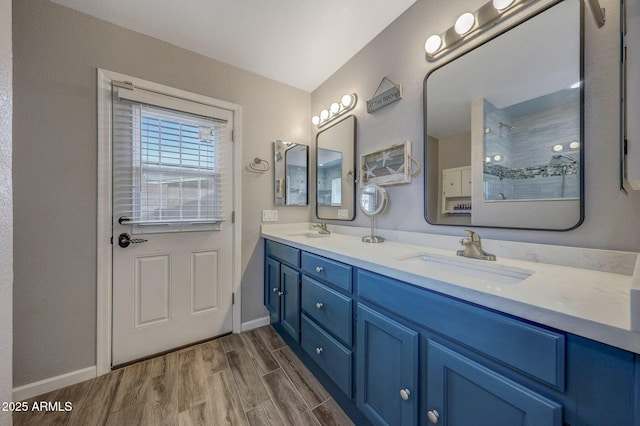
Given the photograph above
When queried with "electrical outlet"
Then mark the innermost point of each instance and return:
(269, 215)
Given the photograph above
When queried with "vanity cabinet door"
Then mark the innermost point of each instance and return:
(386, 369)
(282, 296)
(272, 291)
(461, 392)
(290, 301)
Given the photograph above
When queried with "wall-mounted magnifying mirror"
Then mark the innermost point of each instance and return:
(335, 165)
(291, 173)
(373, 202)
(504, 128)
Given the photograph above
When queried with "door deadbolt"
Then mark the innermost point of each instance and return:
(125, 239)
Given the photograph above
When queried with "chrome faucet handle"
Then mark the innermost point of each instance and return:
(473, 236)
(323, 227)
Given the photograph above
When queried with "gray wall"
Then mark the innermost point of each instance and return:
(398, 52)
(57, 51)
(6, 209)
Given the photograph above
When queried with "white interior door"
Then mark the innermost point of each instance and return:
(172, 266)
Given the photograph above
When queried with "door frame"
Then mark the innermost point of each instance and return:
(104, 231)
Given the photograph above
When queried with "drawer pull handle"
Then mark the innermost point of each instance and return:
(433, 416)
(318, 351)
(319, 269)
(405, 394)
(319, 305)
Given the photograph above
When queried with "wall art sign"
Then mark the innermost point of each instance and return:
(388, 166)
(385, 98)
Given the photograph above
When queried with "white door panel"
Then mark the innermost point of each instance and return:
(173, 290)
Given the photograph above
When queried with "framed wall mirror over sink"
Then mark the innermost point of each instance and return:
(504, 127)
(335, 170)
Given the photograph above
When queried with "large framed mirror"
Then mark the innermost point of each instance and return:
(290, 173)
(504, 128)
(335, 170)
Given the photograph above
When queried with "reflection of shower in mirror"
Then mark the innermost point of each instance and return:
(557, 160)
(561, 160)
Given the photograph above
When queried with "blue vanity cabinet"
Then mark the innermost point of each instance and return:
(386, 369)
(282, 286)
(462, 392)
(394, 353)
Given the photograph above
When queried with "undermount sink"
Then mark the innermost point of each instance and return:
(471, 268)
(309, 234)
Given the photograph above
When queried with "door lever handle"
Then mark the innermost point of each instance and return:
(125, 239)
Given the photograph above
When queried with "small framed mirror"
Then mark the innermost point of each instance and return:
(291, 173)
(373, 202)
(504, 128)
(335, 171)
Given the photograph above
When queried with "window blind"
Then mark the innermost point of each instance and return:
(168, 164)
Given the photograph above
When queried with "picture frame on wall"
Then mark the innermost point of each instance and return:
(388, 166)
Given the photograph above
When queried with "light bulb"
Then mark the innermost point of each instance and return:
(464, 23)
(334, 108)
(502, 4)
(432, 44)
(315, 120)
(558, 148)
(574, 145)
(324, 114)
(347, 100)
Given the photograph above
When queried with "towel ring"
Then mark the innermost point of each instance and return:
(259, 165)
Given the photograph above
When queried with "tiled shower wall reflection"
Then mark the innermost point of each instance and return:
(525, 144)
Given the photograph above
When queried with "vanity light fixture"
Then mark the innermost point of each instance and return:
(502, 4)
(464, 23)
(470, 24)
(432, 44)
(335, 110)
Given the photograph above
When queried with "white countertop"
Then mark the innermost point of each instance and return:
(586, 292)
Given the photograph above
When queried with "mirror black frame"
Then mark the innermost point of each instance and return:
(283, 201)
(581, 126)
(352, 167)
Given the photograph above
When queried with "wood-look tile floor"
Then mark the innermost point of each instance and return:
(252, 378)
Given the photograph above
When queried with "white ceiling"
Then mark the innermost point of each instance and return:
(297, 42)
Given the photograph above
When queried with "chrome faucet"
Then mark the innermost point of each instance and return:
(473, 247)
(323, 228)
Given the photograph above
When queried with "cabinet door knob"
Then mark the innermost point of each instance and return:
(319, 269)
(318, 351)
(280, 293)
(319, 305)
(275, 289)
(405, 394)
(433, 416)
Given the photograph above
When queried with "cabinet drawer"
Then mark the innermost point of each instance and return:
(533, 350)
(328, 308)
(334, 273)
(328, 353)
(283, 253)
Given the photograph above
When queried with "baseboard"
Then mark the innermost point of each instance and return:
(258, 322)
(47, 385)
